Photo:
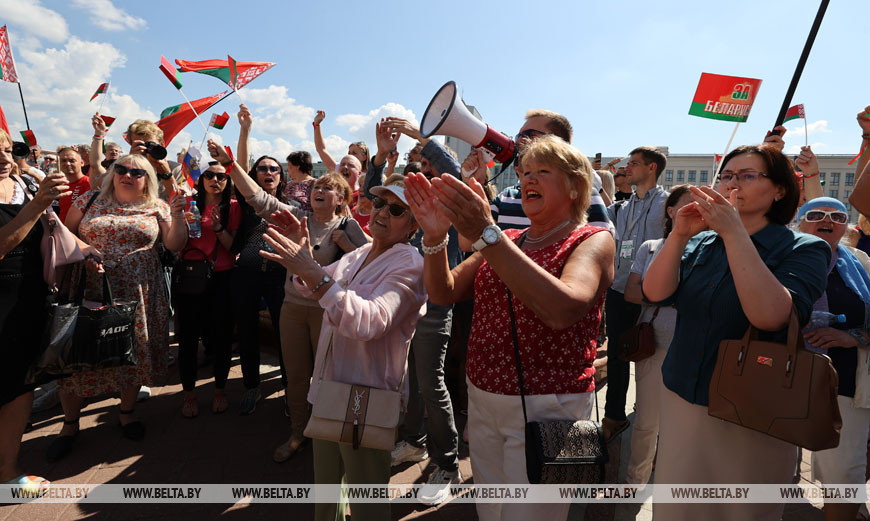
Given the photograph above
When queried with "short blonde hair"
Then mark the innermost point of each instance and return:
(337, 182)
(559, 155)
(557, 123)
(145, 128)
(107, 190)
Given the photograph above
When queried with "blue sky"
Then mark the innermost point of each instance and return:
(623, 72)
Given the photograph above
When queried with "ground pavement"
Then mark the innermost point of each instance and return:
(230, 448)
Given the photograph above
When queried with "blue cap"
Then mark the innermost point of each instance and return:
(820, 202)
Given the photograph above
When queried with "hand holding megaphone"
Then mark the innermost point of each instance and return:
(448, 115)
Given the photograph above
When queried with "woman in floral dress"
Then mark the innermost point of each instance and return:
(125, 222)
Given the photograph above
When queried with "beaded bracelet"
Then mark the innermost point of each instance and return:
(432, 250)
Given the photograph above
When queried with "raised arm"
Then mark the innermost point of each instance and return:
(174, 232)
(245, 122)
(327, 159)
(663, 276)
(860, 197)
(96, 172)
(808, 164)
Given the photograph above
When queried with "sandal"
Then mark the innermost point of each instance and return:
(290, 448)
(219, 403)
(190, 408)
(60, 446)
(30, 486)
(134, 430)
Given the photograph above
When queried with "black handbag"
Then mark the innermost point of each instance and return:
(83, 336)
(191, 277)
(560, 451)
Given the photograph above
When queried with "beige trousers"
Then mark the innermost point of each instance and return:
(300, 331)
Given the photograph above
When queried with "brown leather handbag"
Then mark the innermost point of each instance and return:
(638, 342)
(782, 390)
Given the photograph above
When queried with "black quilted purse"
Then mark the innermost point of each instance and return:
(560, 451)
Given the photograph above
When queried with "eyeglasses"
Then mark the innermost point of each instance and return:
(211, 174)
(396, 210)
(135, 173)
(529, 134)
(814, 216)
(747, 176)
(268, 168)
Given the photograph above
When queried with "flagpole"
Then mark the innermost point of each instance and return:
(806, 130)
(100, 110)
(203, 140)
(194, 110)
(23, 106)
(727, 148)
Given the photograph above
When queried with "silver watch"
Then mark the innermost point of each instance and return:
(491, 235)
(325, 280)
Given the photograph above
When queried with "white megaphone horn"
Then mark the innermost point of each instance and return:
(447, 115)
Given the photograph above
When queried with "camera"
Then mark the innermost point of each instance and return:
(155, 150)
(20, 150)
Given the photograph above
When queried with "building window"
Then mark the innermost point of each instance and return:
(681, 176)
(703, 176)
(835, 178)
(848, 193)
(822, 176)
(835, 194)
(692, 175)
(850, 178)
(668, 188)
(669, 175)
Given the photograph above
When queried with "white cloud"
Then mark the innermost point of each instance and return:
(31, 17)
(105, 15)
(796, 149)
(816, 127)
(362, 126)
(276, 114)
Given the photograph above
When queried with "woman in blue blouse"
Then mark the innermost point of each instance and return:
(750, 268)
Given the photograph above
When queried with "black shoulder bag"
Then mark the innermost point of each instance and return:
(560, 451)
(191, 277)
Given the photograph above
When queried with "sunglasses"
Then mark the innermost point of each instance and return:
(267, 168)
(135, 173)
(529, 134)
(814, 216)
(209, 174)
(396, 210)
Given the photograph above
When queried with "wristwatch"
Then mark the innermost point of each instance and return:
(860, 335)
(165, 176)
(491, 235)
(325, 280)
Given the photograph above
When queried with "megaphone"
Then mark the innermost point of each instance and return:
(447, 115)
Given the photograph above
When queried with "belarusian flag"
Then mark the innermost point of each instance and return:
(727, 98)
(219, 121)
(108, 120)
(102, 89)
(7, 64)
(3, 124)
(29, 137)
(174, 119)
(795, 112)
(220, 69)
(717, 158)
(169, 71)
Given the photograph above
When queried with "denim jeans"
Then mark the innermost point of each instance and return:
(429, 392)
(621, 315)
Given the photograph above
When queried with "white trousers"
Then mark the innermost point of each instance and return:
(645, 431)
(846, 462)
(497, 441)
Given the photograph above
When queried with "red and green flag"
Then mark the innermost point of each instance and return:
(219, 121)
(29, 137)
(7, 63)
(726, 98)
(169, 71)
(174, 119)
(221, 69)
(3, 124)
(108, 120)
(795, 112)
(102, 89)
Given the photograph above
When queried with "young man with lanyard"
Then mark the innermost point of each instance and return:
(637, 219)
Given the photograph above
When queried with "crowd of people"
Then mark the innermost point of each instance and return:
(369, 274)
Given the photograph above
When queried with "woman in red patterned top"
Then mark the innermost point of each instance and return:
(555, 272)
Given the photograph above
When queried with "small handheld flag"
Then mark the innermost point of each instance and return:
(795, 112)
(3, 124)
(29, 137)
(219, 121)
(190, 165)
(108, 120)
(102, 89)
(170, 72)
